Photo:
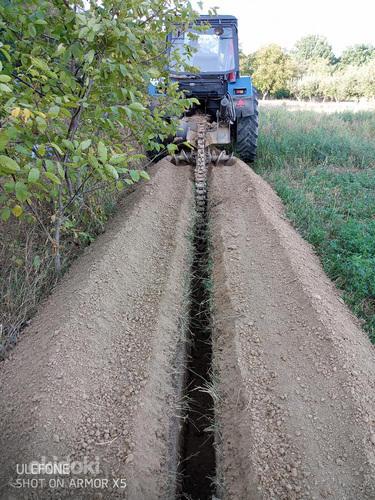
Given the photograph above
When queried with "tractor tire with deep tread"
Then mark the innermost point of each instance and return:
(247, 133)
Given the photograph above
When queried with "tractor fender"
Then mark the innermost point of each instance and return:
(244, 105)
(241, 91)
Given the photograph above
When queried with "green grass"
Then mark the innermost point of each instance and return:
(323, 167)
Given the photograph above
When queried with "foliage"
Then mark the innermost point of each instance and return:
(247, 64)
(320, 74)
(73, 101)
(323, 167)
(352, 83)
(273, 69)
(313, 48)
(358, 55)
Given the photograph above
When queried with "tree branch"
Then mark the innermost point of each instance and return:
(29, 85)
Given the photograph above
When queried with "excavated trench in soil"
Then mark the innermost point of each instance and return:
(197, 460)
(99, 375)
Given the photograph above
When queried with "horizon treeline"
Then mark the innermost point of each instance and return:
(312, 71)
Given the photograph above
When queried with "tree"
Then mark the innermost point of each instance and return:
(312, 48)
(351, 83)
(306, 87)
(357, 55)
(73, 101)
(273, 70)
(246, 64)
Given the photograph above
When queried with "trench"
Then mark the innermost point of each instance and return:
(197, 451)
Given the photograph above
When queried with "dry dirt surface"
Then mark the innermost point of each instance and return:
(296, 372)
(94, 382)
(91, 381)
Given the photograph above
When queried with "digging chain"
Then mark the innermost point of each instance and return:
(202, 156)
(200, 171)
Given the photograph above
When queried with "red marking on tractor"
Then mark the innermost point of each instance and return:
(240, 103)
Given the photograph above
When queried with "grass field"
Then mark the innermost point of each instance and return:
(321, 162)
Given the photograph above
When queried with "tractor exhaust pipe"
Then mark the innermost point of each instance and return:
(224, 104)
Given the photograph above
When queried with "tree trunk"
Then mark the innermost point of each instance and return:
(57, 245)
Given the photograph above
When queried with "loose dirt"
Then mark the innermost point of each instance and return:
(95, 379)
(296, 372)
(91, 379)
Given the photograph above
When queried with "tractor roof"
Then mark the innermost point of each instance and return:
(218, 20)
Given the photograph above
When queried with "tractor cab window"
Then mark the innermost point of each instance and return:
(214, 53)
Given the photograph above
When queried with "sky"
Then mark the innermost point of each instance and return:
(284, 22)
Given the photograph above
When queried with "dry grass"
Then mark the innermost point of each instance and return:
(320, 107)
(27, 274)
(27, 262)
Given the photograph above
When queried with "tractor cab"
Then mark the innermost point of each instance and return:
(214, 52)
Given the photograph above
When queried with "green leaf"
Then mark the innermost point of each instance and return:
(65, 112)
(136, 106)
(154, 73)
(12, 132)
(102, 150)
(85, 144)
(111, 170)
(42, 124)
(31, 30)
(90, 55)
(134, 174)
(4, 139)
(6, 214)
(41, 150)
(60, 50)
(55, 146)
(9, 186)
(17, 211)
(40, 63)
(5, 78)
(172, 148)
(93, 161)
(50, 166)
(6, 54)
(53, 111)
(21, 191)
(144, 175)
(118, 158)
(68, 144)
(123, 70)
(5, 88)
(52, 177)
(83, 32)
(60, 170)
(33, 175)
(8, 165)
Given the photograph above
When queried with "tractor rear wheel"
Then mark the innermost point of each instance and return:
(247, 133)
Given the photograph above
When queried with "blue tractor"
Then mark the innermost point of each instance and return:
(227, 102)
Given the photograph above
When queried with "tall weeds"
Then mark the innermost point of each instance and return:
(27, 263)
(323, 167)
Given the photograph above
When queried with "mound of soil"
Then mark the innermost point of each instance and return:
(91, 380)
(296, 372)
